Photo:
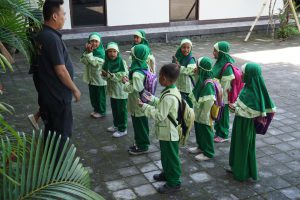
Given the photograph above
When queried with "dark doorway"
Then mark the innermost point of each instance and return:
(183, 10)
(88, 12)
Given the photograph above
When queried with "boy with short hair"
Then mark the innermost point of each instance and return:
(167, 134)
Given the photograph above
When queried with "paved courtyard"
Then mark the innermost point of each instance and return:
(117, 175)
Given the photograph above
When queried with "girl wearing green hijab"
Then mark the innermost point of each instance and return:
(253, 101)
(184, 57)
(203, 97)
(114, 69)
(93, 58)
(133, 86)
(221, 53)
(140, 38)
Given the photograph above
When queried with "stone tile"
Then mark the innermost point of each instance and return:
(148, 167)
(275, 195)
(269, 150)
(276, 183)
(133, 181)
(271, 140)
(287, 138)
(282, 157)
(275, 131)
(139, 159)
(116, 185)
(154, 156)
(291, 193)
(294, 165)
(295, 134)
(124, 195)
(158, 164)
(281, 169)
(295, 143)
(262, 187)
(267, 161)
(110, 148)
(128, 171)
(200, 177)
(294, 153)
(284, 147)
(293, 178)
(144, 190)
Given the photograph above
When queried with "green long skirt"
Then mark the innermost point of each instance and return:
(205, 139)
(242, 156)
(222, 126)
(169, 151)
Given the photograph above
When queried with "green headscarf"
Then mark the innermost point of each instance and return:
(255, 94)
(142, 35)
(99, 52)
(139, 54)
(204, 65)
(115, 65)
(223, 49)
(182, 59)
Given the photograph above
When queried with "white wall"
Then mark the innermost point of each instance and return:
(66, 6)
(226, 9)
(129, 12)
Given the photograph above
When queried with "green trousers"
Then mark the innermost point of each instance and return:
(169, 153)
(186, 97)
(98, 98)
(141, 132)
(222, 126)
(242, 155)
(205, 139)
(119, 111)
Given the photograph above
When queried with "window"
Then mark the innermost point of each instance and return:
(183, 10)
(88, 12)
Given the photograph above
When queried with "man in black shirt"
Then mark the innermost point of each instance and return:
(55, 73)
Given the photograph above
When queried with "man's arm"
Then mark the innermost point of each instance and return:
(65, 78)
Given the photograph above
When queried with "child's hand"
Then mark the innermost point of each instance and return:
(104, 73)
(88, 47)
(125, 79)
(147, 95)
(196, 70)
(231, 108)
(140, 103)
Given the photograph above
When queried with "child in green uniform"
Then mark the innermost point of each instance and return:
(221, 53)
(203, 97)
(93, 58)
(167, 134)
(253, 101)
(134, 85)
(140, 38)
(184, 58)
(114, 69)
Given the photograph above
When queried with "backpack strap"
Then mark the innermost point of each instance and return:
(179, 109)
(224, 68)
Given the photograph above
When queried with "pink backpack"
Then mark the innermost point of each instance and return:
(236, 84)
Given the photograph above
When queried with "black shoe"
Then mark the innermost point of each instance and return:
(165, 189)
(132, 147)
(159, 177)
(136, 151)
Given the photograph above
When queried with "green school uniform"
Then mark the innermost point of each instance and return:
(166, 132)
(133, 88)
(253, 101)
(115, 88)
(187, 67)
(223, 48)
(91, 75)
(203, 97)
(150, 59)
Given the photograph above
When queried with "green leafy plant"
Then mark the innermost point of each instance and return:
(42, 173)
(286, 28)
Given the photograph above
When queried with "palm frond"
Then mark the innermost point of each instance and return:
(44, 173)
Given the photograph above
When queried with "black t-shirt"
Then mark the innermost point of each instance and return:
(52, 51)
